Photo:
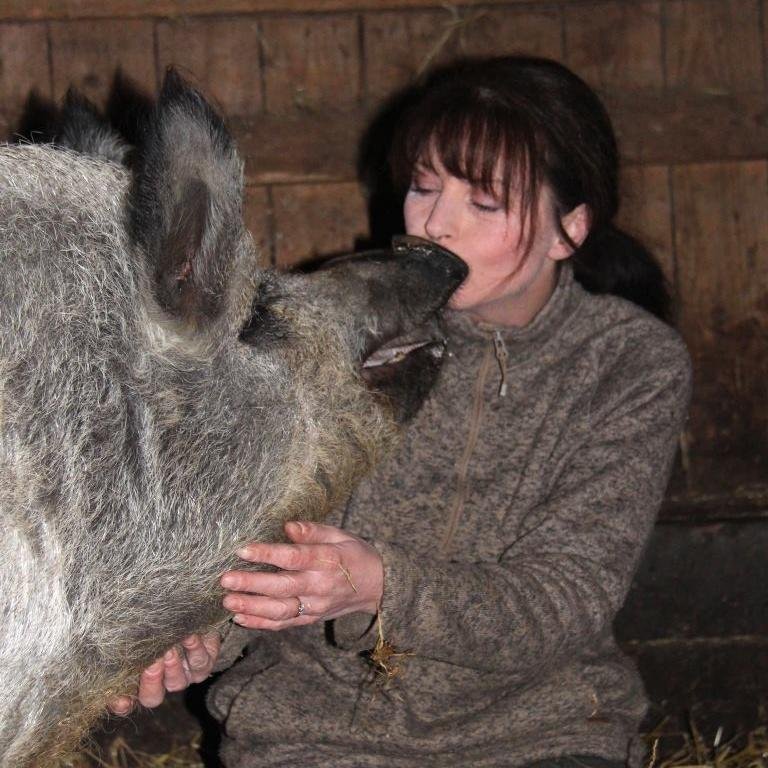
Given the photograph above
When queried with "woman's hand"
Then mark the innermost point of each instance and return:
(178, 667)
(325, 573)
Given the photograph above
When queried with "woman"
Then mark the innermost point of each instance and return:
(498, 545)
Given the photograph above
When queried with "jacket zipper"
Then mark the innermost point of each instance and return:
(462, 468)
(501, 357)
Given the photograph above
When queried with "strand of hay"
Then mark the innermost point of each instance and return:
(455, 27)
(120, 754)
(742, 751)
(385, 659)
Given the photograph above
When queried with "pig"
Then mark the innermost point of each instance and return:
(163, 401)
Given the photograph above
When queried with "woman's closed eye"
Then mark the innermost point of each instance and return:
(486, 207)
(484, 201)
(421, 189)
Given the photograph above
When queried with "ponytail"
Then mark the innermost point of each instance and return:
(611, 261)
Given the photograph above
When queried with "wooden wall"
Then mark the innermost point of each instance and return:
(685, 81)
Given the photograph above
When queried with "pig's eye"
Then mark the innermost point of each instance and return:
(262, 327)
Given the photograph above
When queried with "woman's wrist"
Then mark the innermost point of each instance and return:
(376, 581)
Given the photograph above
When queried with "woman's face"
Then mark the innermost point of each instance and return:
(504, 286)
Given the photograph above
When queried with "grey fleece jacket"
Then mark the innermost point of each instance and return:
(510, 528)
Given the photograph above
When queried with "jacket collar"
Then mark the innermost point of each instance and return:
(563, 302)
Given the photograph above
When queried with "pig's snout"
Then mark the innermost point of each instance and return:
(441, 270)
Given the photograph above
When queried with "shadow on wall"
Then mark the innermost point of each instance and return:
(385, 201)
(126, 111)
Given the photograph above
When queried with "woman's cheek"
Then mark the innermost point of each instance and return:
(415, 213)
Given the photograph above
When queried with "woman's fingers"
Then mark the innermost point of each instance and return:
(315, 533)
(335, 572)
(259, 622)
(152, 685)
(212, 643)
(199, 659)
(274, 609)
(176, 669)
(281, 584)
(192, 663)
(122, 706)
(289, 557)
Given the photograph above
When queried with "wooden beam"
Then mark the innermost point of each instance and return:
(299, 148)
(689, 127)
(30, 10)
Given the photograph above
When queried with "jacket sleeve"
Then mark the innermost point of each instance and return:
(234, 640)
(558, 585)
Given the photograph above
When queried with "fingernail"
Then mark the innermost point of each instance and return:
(170, 655)
(243, 552)
(296, 526)
(229, 581)
(232, 603)
(238, 618)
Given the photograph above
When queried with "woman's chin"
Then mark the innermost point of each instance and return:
(458, 301)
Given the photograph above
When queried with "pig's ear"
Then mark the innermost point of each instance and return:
(186, 204)
(82, 128)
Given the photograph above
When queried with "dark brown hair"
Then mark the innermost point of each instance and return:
(531, 121)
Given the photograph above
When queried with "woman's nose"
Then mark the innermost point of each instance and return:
(440, 223)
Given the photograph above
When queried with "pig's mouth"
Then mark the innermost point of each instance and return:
(404, 371)
(393, 354)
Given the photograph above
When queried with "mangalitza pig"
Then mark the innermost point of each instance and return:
(162, 401)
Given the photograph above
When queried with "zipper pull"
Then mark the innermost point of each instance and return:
(501, 358)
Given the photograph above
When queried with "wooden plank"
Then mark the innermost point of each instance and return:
(87, 54)
(646, 211)
(311, 61)
(722, 483)
(258, 220)
(714, 47)
(721, 244)
(659, 602)
(220, 55)
(693, 675)
(77, 9)
(399, 46)
(615, 44)
(689, 127)
(317, 219)
(300, 148)
(23, 69)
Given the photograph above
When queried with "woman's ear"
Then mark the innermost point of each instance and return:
(576, 224)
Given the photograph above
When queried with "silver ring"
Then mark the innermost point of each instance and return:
(300, 609)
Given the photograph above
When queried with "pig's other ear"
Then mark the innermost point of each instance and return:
(80, 127)
(186, 205)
